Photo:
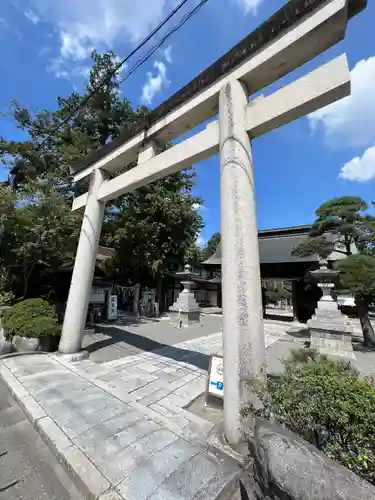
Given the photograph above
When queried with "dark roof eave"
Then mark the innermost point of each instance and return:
(292, 12)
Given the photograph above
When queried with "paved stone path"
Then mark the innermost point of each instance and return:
(120, 428)
(114, 449)
(28, 469)
(129, 336)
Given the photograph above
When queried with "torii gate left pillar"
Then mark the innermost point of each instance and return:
(84, 264)
(84, 267)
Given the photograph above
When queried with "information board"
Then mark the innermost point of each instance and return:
(215, 385)
(112, 307)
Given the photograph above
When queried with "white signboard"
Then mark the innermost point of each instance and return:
(112, 307)
(216, 377)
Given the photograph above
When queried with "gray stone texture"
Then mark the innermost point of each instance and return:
(113, 449)
(83, 271)
(28, 469)
(330, 331)
(185, 311)
(187, 318)
(288, 468)
(185, 302)
(243, 330)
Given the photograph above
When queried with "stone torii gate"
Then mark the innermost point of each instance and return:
(297, 33)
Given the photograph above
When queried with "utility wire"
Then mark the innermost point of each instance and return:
(84, 101)
(184, 20)
(108, 77)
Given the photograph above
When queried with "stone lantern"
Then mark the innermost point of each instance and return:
(185, 310)
(330, 331)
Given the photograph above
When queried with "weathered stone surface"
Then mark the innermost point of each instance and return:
(5, 346)
(25, 344)
(288, 468)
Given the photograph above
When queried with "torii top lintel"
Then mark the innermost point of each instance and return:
(289, 16)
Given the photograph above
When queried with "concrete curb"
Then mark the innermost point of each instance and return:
(16, 354)
(85, 476)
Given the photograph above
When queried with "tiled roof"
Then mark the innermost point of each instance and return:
(276, 245)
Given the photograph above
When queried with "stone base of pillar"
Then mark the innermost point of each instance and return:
(184, 319)
(74, 357)
(330, 332)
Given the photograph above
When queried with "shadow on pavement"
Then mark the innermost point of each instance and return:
(278, 317)
(361, 347)
(10, 485)
(300, 333)
(118, 335)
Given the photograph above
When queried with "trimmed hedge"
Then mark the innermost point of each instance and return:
(328, 404)
(33, 318)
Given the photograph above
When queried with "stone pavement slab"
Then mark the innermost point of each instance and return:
(131, 336)
(121, 427)
(28, 469)
(364, 360)
(168, 378)
(113, 446)
(134, 336)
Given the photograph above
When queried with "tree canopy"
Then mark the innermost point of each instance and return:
(210, 247)
(357, 274)
(341, 224)
(344, 226)
(148, 227)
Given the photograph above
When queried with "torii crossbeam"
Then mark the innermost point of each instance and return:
(297, 33)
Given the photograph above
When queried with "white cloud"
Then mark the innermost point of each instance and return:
(154, 83)
(61, 69)
(360, 169)
(198, 206)
(350, 122)
(3, 23)
(168, 54)
(200, 240)
(31, 16)
(82, 26)
(249, 6)
(74, 47)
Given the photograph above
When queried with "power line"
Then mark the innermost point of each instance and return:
(184, 20)
(84, 101)
(108, 77)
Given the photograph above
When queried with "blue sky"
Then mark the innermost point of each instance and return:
(46, 46)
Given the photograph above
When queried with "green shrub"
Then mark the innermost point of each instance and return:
(327, 404)
(34, 318)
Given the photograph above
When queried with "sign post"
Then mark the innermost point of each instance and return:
(215, 382)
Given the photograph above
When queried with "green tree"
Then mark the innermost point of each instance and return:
(340, 224)
(153, 226)
(46, 231)
(7, 224)
(328, 404)
(210, 247)
(278, 293)
(49, 157)
(357, 274)
(147, 227)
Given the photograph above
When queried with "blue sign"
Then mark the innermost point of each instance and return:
(219, 385)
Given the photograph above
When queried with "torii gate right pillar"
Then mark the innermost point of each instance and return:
(243, 331)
